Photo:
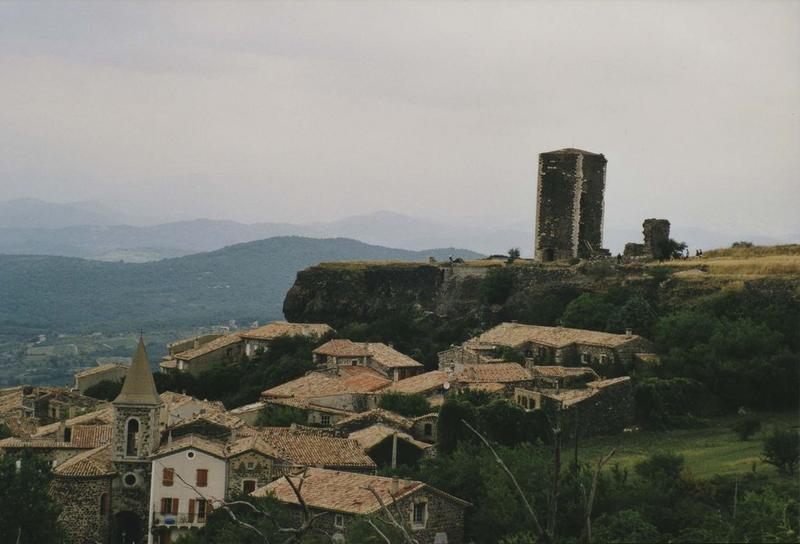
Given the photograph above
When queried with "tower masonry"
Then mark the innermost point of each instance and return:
(569, 204)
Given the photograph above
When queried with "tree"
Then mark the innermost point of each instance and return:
(765, 517)
(27, 513)
(496, 286)
(747, 428)
(625, 526)
(281, 416)
(588, 311)
(513, 255)
(104, 390)
(405, 405)
(782, 449)
(5, 431)
(450, 430)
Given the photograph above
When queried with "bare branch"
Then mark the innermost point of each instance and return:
(505, 468)
(383, 536)
(590, 501)
(392, 519)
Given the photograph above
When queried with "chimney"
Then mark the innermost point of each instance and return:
(196, 343)
(62, 431)
(628, 333)
(395, 485)
(394, 459)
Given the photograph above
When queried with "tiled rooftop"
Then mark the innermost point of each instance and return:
(306, 448)
(421, 383)
(494, 372)
(275, 329)
(516, 335)
(382, 354)
(345, 379)
(209, 347)
(92, 463)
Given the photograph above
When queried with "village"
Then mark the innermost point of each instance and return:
(152, 466)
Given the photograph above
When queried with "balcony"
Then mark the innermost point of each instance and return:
(178, 520)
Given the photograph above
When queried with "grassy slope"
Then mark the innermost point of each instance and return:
(714, 449)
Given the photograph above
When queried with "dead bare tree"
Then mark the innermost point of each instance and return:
(396, 519)
(294, 534)
(589, 501)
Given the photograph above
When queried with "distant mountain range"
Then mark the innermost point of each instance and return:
(245, 282)
(93, 231)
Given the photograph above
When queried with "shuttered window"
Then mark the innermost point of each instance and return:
(168, 477)
(202, 477)
(191, 510)
(174, 507)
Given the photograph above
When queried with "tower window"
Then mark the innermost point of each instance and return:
(132, 434)
(104, 504)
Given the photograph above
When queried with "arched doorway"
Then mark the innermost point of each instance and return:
(126, 529)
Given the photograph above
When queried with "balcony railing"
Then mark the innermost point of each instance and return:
(178, 520)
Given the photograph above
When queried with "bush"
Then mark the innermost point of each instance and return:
(624, 526)
(104, 390)
(747, 428)
(405, 405)
(496, 286)
(782, 449)
(281, 416)
(450, 429)
(666, 403)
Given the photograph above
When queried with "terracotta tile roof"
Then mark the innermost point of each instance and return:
(516, 335)
(600, 384)
(98, 369)
(209, 347)
(561, 371)
(194, 441)
(247, 408)
(90, 436)
(421, 383)
(569, 397)
(254, 442)
(221, 418)
(371, 436)
(275, 329)
(10, 400)
(302, 447)
(380, 353)
(345, 379)
(342, 348)
(346, 492)
(89, 464)
(488, 387)
(306, 404)
(494, 372)
(102, 416)
(13, 442)
(374, 416)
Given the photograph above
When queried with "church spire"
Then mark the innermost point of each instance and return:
(139, 387)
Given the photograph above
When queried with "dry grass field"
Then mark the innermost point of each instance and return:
(743, 262)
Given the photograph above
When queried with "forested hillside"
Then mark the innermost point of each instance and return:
(243, 282)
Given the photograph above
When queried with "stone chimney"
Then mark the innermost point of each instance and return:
(395, 485)
(196, 343)
(628, 333)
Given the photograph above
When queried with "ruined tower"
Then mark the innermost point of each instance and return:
(569, 204)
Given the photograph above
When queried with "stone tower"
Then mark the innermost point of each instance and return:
(569, 204)
(135, 436)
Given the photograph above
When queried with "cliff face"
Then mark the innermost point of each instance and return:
(476, 297)
(346, 293)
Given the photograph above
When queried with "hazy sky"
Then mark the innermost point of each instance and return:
(316, 111)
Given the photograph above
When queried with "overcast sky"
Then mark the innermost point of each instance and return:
(316, 111)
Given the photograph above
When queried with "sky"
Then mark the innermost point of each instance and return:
(309, 111)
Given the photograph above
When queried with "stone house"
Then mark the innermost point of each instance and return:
(113, 372)
(562, 377)
(432, 516)
(189, 477)
(494, 378)
(432, 385)
(341, 391)
(562, 346)
(201, 357)
(422, 428)
(388, 446)
(375, 355)
(602, 407)
(259, 339)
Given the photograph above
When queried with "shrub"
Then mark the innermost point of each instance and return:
(513, 255)
(673, 402)
(405, 405)
(496, 286)
(281, 416)
(782, 449)
(747, 428)
(625, 526)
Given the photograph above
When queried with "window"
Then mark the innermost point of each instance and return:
(129, 479)
(104, 504)
(168, 477)
(202, 477)
(325, 420)
(248, 486)
(203, 509)
(603, 359)
(169, 505)
(427, 429)
(420, 514)
(132, 434)
(251, 465)
(338, 521)
(585, 358)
